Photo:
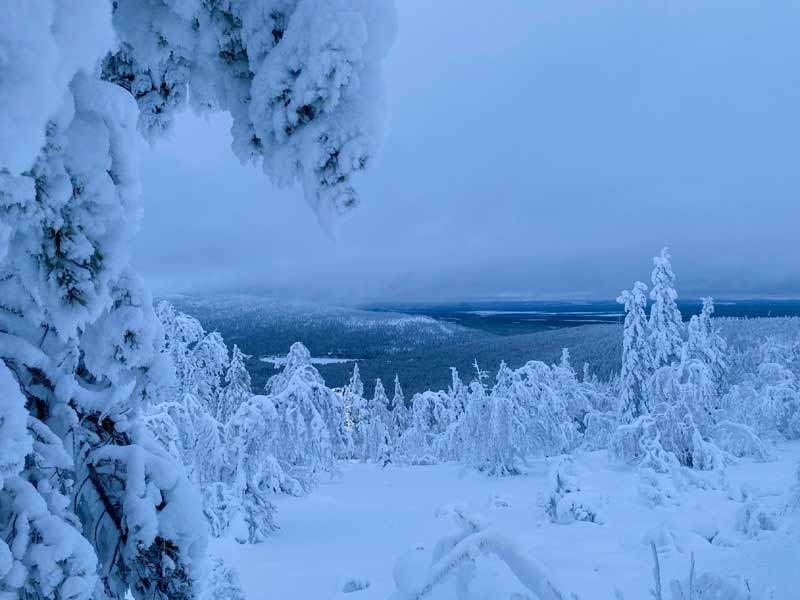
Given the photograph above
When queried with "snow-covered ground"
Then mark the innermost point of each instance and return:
(358, 525)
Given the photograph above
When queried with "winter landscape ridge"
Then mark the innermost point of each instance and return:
(206, 444)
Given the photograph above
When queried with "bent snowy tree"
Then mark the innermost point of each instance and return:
(90, 505)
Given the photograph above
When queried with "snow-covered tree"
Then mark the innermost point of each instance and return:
(400, 415)
(430, 419)
(91, 505)
(707, 344)
(665, 324)
(505, 441)
(571, 390)
(300, 80)
(253, 472)
(211, 360)
(768, 401)
(457, 392)
(473, 425)
(636, 353)
(356, 412)
(82, 340)
(550, 428)
(312, 417)
(380, 404)
(376, 440)
(181, 334)
(238, 387)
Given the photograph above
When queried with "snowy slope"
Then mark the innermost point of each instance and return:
(357, 526)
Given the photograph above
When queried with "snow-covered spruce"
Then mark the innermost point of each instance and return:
(100, 508)
(238, 387)
(637, 358)
(301, 79)
(666, 323)
(80, 336)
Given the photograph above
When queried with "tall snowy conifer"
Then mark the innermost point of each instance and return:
(238, 387)
(636, 353)
(400, 415)
(380, 403)
(666, 325)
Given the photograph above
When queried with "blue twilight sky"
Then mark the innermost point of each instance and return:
(536, 148)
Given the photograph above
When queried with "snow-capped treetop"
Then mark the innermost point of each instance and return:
(380, 400)
(457, 391)
(565, 363)
(298, 359)
(399, 397)
(356, 386)
(666, 324)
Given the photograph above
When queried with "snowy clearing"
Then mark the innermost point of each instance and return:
(355, 528)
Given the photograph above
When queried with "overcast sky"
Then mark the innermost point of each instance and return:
(541, 149)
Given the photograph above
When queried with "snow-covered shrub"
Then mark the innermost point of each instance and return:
(677, 434)
(566, 501)
(793, 505)
(706, 586)
(740, 441)
(753, 518)
(413, 447)
(354, 584)
(599, 428)
(222, 583)
(667, 451)
(711, 586)
(768, 401)
(473, 562)
(220, 503)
